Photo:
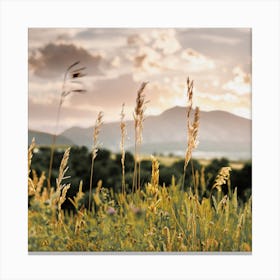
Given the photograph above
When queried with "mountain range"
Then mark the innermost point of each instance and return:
(220, 134)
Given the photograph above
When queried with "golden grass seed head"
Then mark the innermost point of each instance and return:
(222, 178)
(63, 167)
(192, 127)
(139, 112)
(30, 153)
(97, 128)
(155, 171)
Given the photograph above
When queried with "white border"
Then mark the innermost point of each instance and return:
(262, 16)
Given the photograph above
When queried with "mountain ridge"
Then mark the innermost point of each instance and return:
(44, 138)
(220, 131)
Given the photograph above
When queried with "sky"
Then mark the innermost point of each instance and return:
(118, 60)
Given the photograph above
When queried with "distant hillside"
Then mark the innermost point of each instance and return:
(221, 134)
(45, 139)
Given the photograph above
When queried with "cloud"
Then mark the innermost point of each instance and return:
(197, 61)
(164, 96)
(101, 38)
(243, 112)
(43, 91)
(218, 39)
(116, 62)
(119, 59)
(38, 37)
(241, 82)
(152, 52)
(226, 37)
(228, 97)
(52, 60)
(224, 45)
(147, 60)
(138, 39)
(162, 40)
(166, 41)
(236, 104)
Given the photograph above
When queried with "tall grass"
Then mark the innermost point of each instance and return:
(96, 132)
(123, 135)
(152, 218)
(192, 129)
(138, 128)
(61, 189)
(71, 84)
(161, 219)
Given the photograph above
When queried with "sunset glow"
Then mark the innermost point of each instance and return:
(118, 60)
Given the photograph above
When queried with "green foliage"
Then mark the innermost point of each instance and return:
(108, 169)
(243, 180)
(154, 219)
(159, 217)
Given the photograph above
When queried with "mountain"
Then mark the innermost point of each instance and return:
(45, 139)
(220, 134)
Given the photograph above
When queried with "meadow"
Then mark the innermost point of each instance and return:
(151, 216)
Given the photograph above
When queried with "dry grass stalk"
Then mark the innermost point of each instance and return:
(196, 183)
(166, 233)
(30, 154)
(192, 128)
(80, 220)
(63, 169)
(34, 185)
(59, 196)
(192, 137)
(96, 132)
(123, 135)
(222, 178)
(55, 195)
(155, 172)
(138, 127)
(39, 186)
(152, 188)
(71, 77)
(202, 180)
(35, 178)
(31, 185)
(190, 96)
(79, 195)
(61, 200)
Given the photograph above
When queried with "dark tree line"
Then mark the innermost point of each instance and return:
(107, 167)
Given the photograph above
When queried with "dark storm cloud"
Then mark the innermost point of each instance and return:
(51, 60)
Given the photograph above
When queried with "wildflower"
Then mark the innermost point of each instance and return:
(111, 211)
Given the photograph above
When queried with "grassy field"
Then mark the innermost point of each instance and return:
(147, 218)
(153, 219)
